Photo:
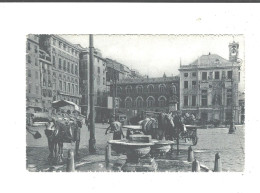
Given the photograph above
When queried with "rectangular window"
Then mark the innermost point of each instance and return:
(76, 69)
(194, 100)
(76, 89)
(204, 75)
(185, 84)
(28, 46)
(72, 85)
(229, 97)
(72, 68)
(29, 59)
(186, 100)
(54, 42)
(194, 74)
(36, 75)
(68, 67)
(217, 75)
(44, 82)
(60, 85)
(194, 83)
(68, 87)
(104, 81)
(98, 70)
(229, 74)
(53, 60)
(60, 63)
(64, 85)
(29, 73)
(204, 98)
(64, 65)
(35, 49)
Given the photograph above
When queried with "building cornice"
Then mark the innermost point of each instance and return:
(67, 42)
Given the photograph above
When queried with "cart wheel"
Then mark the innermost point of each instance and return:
(194, 140)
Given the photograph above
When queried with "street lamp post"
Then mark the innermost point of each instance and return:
(92, 140)
(114, 89)
(232, 124)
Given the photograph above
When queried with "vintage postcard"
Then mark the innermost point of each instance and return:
(135, 103)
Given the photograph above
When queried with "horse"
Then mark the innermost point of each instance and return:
(170, 126)
(150, 127)
(167, 126)
(62, 129)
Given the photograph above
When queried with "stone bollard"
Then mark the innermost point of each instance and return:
(190, 154)
(218, 164)
(70, 162)
(108, 155)
(195, 166)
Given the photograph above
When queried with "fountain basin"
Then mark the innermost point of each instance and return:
(161, 147)
(138, 149)
(134, 150)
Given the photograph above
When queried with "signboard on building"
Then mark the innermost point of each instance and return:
(109, 102)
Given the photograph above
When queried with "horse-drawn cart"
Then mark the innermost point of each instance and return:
(190, 134)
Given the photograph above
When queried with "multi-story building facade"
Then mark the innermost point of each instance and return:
(101, 90)
(147, 94)
(46, 79)
(63, 67)
(33, 85)
(209, 86)
(120, 71)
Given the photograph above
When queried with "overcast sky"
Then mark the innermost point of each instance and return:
(156, 54)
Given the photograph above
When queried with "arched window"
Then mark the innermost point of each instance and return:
(173, 88)
(150, 102)
(128, 102)
(150, 88)
(139, 102)
(139, 89)
(162, 101)
(162, 88)
(128, 89)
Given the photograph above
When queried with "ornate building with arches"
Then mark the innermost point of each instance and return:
(147, 94)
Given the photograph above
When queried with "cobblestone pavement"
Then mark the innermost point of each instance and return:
(230, 146)
(211, 141)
